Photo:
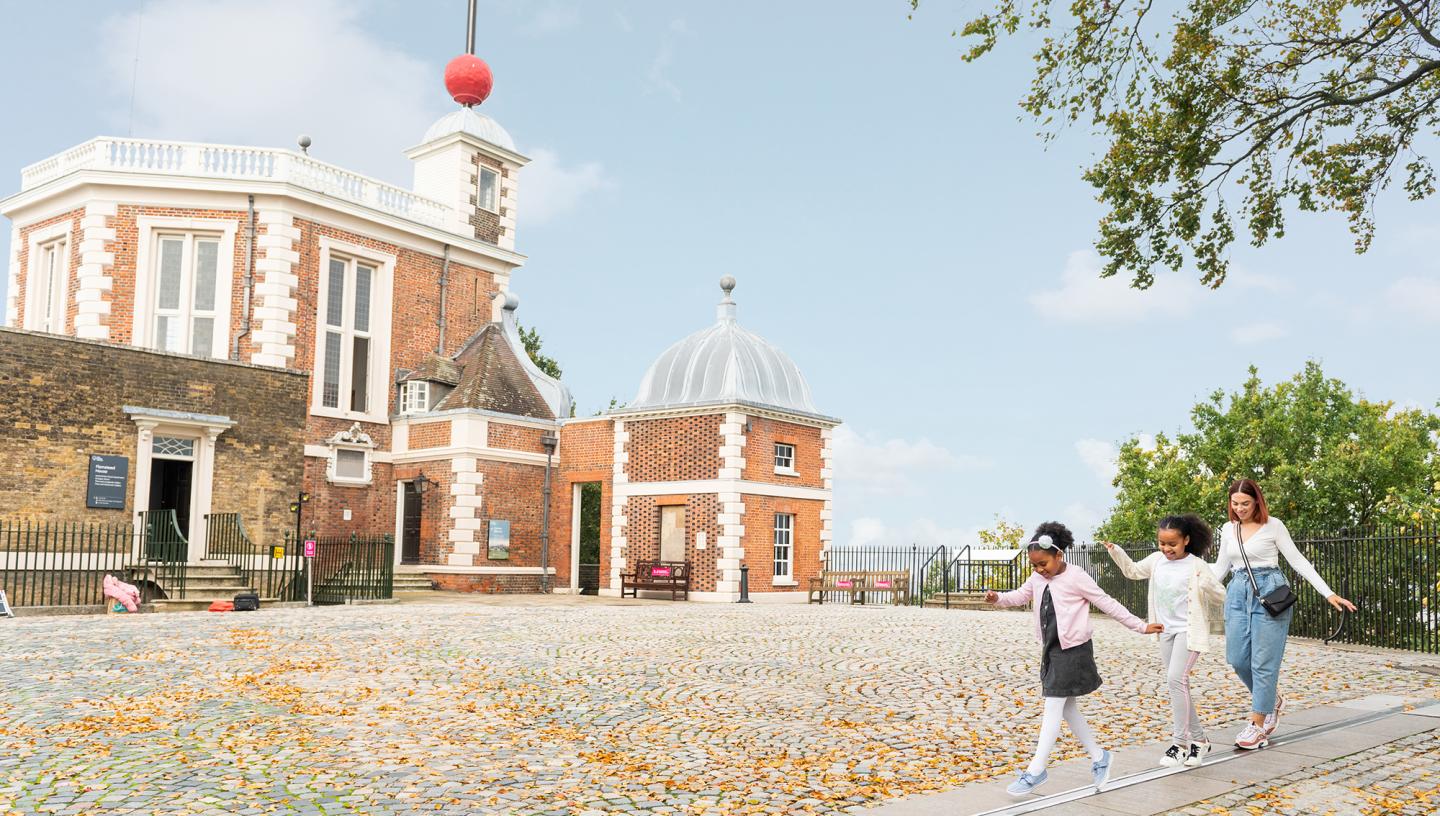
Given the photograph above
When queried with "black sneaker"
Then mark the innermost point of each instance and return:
(1172, 757)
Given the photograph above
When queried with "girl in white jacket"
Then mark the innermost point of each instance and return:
(1182, 593)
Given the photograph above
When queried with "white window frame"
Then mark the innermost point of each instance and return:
(785, 470)
(480, 189)
(784, 538)
(354, 439)
(58, 289)
(149, 230)
(414, 397)
(378, 374)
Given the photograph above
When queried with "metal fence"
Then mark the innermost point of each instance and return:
(65, 563)
(1391, 573)
(275, 573)
(352, 567)
(933, 570)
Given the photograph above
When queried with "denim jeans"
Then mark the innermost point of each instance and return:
(1254, 641)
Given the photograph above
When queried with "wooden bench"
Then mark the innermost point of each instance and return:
(858, 583)
(661, 575)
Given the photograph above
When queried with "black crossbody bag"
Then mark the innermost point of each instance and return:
(1277, 600)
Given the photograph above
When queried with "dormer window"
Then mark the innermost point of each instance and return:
(489, 195)
(415, 397)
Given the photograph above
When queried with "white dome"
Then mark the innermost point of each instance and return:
(724, 364)
(466, 120)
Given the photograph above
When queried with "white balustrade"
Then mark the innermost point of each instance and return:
(232, 162)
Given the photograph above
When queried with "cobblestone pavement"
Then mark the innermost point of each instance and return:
(1400, 778)
(562, 709)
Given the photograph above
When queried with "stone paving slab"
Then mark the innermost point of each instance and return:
(580, 706)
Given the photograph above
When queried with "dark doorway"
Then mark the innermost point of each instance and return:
(589, 578)
(170, 482)
(410, 529)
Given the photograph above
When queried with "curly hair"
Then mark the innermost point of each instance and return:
(1058, 532)
(1196, 531)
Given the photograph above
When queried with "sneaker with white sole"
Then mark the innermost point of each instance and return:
(1027, 783)
(1196, 757)
(1251, 737)
(1273, 718)
(1100, 770)
(1172, 757)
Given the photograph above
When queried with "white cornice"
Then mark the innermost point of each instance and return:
(705, 486)
(721, 408)
(111, 185)
(507, 156)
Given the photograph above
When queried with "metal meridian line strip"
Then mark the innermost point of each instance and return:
(1076, 794)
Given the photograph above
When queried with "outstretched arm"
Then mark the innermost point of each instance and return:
(1015, 597)
(1098, 599)
(1128, 568)
(1306, 570)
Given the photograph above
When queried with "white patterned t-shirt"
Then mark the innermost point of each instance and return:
(1171, 580)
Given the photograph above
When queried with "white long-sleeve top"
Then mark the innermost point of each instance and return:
(1264, 547)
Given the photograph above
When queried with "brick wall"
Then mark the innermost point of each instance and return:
(515, 437)
(430, 435)
(760, 452)
(675, 449)
(63, 400)
(513, 492)
(642, 535)
(486, 223)
(760, 540)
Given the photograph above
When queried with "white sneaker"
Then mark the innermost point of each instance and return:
(1273, 718)
(1196, 757)
(1251, 737)
(1173, 757)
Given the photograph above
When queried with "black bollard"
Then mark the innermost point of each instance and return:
(744, 585)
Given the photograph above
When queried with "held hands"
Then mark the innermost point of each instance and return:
(1341, 604)
(991, 596)
(1154, 628)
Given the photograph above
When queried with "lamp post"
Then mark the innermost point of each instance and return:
(550, 441)
(298, 508)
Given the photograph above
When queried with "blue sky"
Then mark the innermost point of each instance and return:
(894, 223)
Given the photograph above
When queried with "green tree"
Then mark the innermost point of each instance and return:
(1326, 459)
(1305, 104)
(531, 339)
(1002, 535)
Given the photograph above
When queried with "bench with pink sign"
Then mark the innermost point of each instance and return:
(673, 576)
(860, 586)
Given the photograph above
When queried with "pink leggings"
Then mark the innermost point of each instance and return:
(1179, 661)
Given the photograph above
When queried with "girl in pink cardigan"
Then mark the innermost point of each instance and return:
(1062, 596)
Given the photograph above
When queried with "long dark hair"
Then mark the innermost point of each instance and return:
(1196, 532)
(1251, 489)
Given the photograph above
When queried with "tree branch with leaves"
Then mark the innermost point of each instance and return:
(1228, 113)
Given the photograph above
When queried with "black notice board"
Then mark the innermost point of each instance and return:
(109, 476)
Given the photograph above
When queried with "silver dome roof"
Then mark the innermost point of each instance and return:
(466, 120)
(724, 364)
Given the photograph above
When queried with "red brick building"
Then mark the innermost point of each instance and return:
(424, 415)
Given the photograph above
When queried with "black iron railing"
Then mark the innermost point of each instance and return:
(352, 567)
(1391, 573)
(61, 564)
(926, 566)
(163, 550)
(275, 572)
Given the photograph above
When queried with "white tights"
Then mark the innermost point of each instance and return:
(1056, 709)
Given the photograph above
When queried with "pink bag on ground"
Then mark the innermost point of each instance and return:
(127, 594)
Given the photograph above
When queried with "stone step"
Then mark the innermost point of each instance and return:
(202, 604)
(412, 583)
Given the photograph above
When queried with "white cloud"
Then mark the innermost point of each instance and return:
(1418, 297)
(658, 78)
(1257, 333)
(876, 466)
(1082, 520)
(1100, 456)
(1085, 297)
(319, 73)
(548, 188)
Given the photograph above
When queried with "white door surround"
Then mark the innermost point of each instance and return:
(204, 429)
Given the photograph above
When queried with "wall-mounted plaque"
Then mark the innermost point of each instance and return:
(109, 476)
(499, 538)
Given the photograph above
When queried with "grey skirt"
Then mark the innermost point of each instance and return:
(1069, 672)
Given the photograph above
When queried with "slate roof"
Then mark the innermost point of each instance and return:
(435, 369)
(491, 378)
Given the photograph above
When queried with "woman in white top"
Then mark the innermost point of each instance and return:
(1254, 640)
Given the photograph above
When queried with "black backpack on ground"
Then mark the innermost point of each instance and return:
(247, 602)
